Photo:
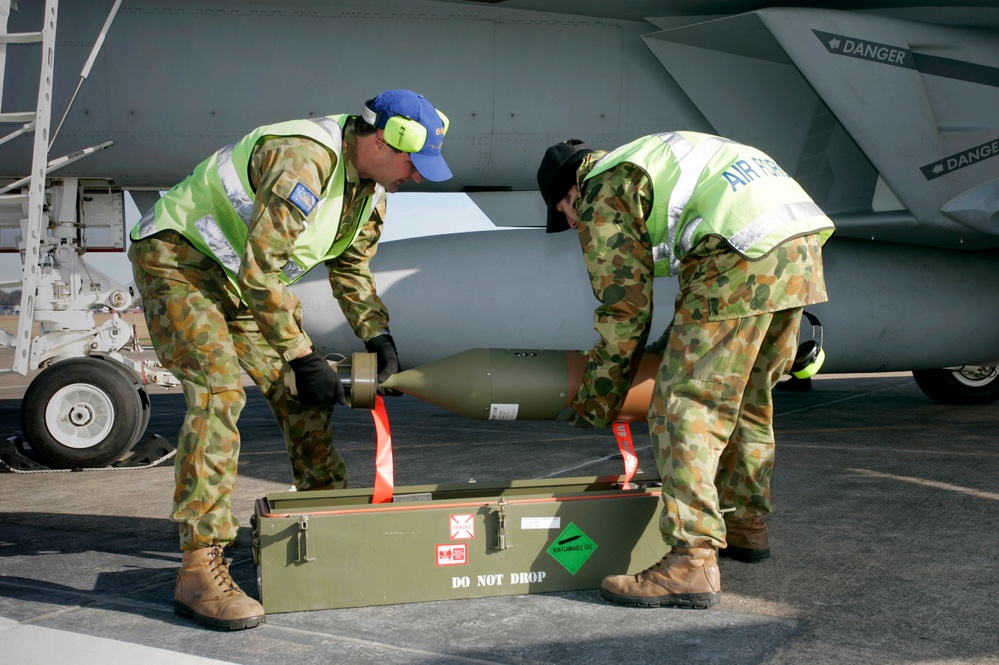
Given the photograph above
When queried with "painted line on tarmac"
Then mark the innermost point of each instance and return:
(923, 482)
(840, 401)
(371, 645)
(592, 462)
(31, 645)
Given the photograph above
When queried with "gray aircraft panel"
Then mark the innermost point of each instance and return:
(884, 314)
(176, 80)
(917, 94)
(840, 121)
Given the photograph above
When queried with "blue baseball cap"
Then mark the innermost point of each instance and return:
(427, 159)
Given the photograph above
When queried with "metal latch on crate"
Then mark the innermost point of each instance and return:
(502, 537)
(303, 540)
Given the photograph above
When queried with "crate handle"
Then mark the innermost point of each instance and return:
(303, 540)
(501, 534)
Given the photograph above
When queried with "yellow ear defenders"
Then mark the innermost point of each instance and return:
(810, 356)
(403, 133)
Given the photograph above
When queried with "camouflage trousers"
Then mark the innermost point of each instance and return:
(711, 421)
(204, 335)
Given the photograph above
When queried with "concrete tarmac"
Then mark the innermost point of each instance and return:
(884, 540)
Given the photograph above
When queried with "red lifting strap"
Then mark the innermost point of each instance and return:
(622, 432)
(384, 471)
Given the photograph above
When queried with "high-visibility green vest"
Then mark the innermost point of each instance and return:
(707, 185)
(213, 206)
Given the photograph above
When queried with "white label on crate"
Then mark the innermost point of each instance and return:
(503, 411)
(540, 522)
(452, 555)
(462, 527)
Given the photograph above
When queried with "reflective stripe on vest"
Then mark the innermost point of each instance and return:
(699, 188)
(241, 203)
(221, 248)
(238, 197)
(691, 162)
(147, 223)
(771, 220)
(213, 206)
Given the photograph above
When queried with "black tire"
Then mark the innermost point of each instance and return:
(136, 381)
(82, 413)
(971, 384)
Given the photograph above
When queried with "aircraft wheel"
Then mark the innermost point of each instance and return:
(970, 384)
(83, 413)
(136, 382)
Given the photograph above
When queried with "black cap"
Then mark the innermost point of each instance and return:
(557, 175)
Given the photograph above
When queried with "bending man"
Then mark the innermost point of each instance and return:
(745, 242)
(213, 262)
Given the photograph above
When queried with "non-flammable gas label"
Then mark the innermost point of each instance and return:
(572, 548)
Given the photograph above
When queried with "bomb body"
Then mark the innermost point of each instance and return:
(515, 384)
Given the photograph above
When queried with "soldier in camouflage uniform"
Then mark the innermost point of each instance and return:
(213, 262)
(745, 242)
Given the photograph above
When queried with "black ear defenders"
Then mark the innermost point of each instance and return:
(810, 356)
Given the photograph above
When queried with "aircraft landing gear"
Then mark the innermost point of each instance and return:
(84, 412)
(970, 384)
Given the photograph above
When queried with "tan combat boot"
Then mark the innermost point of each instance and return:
(747, 541)
(206, 593)
(687, 577)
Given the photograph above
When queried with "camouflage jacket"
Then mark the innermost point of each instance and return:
(275, 225)
(612, 209)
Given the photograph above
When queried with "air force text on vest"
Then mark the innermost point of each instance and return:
(745, 171)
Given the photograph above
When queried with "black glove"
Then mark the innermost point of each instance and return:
(569, 415)
(383, 346)
(316, 381)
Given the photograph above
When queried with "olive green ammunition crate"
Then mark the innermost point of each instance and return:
(333, 549)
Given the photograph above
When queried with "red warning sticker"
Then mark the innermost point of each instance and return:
(452, 555)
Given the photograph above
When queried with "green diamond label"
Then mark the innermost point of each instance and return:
(572, 548)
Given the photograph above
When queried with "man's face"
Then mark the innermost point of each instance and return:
(567, 206)
(387, 166)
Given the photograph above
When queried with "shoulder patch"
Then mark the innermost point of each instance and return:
(303, 199)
